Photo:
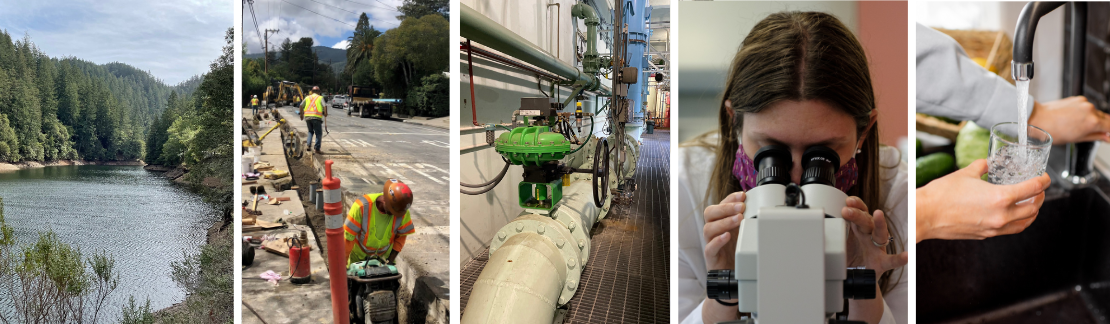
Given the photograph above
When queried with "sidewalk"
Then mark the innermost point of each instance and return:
(425, 261)
(285, 302)
(439, 122)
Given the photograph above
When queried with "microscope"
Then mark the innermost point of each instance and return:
(791, 260)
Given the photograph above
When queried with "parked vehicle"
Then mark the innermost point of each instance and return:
(339, 101)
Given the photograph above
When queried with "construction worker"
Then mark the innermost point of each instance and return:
(378, 224)
(254, 104)
(314, 114)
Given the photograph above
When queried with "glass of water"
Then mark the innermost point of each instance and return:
(1010, 161)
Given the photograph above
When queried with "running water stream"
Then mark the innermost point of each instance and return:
(1023, 117)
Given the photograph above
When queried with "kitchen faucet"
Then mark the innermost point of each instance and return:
(1078, 167)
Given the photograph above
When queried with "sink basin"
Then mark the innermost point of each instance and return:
(1056, 271)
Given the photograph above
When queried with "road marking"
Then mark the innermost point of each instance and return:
(436, 143)
(368, 181)
(434, 167)
(388, 170)
(365, 143)
(446, 178)
(423, 174)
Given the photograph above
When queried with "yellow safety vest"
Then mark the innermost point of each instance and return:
(314, 106)
(254, 101)
(376, 236)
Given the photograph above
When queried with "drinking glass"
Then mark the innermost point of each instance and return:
(1011, 162)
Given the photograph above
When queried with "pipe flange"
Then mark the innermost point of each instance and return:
(555, 232)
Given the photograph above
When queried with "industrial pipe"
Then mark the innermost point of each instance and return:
(337, 250)
(470, 72)
(476, 26)
(591, 61)
(535, 262)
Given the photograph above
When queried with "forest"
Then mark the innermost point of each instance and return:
(70, 109)
(407, 62)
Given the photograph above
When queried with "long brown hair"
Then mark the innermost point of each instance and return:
(801, 56)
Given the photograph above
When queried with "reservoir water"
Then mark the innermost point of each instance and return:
(145, 221)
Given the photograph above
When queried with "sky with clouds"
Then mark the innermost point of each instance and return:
(327, 22)
(174, 40)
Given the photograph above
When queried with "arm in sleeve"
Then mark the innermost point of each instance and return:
(352, 227)
(950, 84)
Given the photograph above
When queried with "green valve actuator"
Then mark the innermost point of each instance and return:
(532, 146)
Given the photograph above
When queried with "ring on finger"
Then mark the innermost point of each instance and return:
(888, 241)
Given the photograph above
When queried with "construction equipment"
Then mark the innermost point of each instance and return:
(372, 291)
(363, 104)
(254, 140)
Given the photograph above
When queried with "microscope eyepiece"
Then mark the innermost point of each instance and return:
(774, 163)
(820, 164)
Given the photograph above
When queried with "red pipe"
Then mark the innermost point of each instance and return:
(470, 70)
(337, 248)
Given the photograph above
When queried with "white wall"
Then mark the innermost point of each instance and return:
(710, 35)
(498, 90)
(1048, 53)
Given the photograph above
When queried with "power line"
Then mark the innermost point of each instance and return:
(321, 15)
(375, 6)
(334, 7)
(250, 4)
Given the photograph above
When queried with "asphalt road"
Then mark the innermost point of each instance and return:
(369, 151)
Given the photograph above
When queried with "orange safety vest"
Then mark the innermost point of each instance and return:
(254, 101)
(377, 234)
(314, 106)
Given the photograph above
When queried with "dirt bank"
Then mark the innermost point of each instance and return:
(8, 167)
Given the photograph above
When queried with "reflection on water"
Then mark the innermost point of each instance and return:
(143, 220)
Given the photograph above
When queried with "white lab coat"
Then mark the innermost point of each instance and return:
(695, 166)
(950, 84)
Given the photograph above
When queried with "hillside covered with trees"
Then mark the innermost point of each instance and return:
(70, 109)
(407, 62)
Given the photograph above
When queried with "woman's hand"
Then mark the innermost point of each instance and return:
(961, 206)
(867, 233)
(1070, 120)
(722, 224)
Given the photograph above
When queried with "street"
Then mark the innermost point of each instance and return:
(368, 151)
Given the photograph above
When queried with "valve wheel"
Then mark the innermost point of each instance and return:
(601, 172)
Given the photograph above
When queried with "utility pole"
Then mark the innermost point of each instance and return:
(266, 49)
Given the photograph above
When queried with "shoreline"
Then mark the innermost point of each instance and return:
(9, 167)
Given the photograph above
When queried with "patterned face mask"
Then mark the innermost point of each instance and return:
(744, 170)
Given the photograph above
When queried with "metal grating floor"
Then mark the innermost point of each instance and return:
(628, 277)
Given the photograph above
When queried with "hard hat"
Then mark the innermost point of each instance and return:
(256, 96)
(397, 197)
(315, 89)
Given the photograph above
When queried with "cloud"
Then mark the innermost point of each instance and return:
(174, 40)
(294, 20)
(341, 44)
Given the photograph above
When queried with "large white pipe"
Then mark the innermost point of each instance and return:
(536, 260)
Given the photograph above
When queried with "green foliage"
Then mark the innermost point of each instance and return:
(135, 314)
(207, 279)
(421, 8)
(212, 148)
(360, 50)
(404, 55)
(49, 281)
(431, 97)
(66, 108)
